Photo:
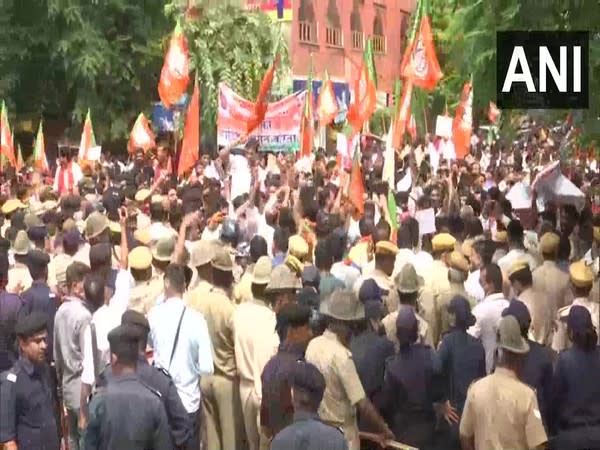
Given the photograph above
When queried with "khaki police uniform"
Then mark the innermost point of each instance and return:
(220, 391)
(344, 389)
(502, 413)
(242, 291)
(549, 279)
(19, 278)
(580, 276)
(143, 294)
(542, 320)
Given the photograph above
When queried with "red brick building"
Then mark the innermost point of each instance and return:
(334, 32)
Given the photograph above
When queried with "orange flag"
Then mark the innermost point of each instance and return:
(262, 101)
(493, 112)
(364, 92)
(7, 146)
(327, 105)
(174, 76)
(356, 191)
(40, 161)
(20, 163)
(141, 135)
(420, 61)
(88, 139)
(403, 116)
(412, 128)
(191, 134)
(463, 122)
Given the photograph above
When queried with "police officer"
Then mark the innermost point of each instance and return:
(501, 411)
(27, 415)
(575, 414)
(308, 432)
(537, 366)
(156, 378)
(127, 413)
(229, 238)
(146, 290)
(409, 386)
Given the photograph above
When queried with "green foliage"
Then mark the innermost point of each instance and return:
(465, 36)
(228, 44)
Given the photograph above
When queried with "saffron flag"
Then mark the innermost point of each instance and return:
(20, 163)
(364, 92)
(7, 147)
(493, 113)
(412, 128)
(403, 115)
(174, 75)
(40, 162)
(327, 105)
(463, 122)
(356, 189)
(307, 126)
(88, 140)
(262, 100)
(141, 135)
(191, 134)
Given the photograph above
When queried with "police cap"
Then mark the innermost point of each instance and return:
(31, 324)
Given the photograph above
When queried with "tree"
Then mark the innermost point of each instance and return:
(229, 44)
(465, 32)
(62, 57)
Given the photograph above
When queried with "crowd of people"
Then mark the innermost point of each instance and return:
(254, 304)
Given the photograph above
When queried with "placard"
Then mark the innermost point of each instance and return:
(443, 126)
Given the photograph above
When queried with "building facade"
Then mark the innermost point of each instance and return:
(330, 35)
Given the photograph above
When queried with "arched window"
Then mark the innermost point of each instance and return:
(307, 26)
(356, 26)
(379, 43)
(333, 31)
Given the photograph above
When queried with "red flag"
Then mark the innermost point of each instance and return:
(364, 92)
(463, 122)
(356, 191)
(141, 135)
(191, 134)
(403, 114)
(420, 61)
(174, 76)
(261, 104)
(493, 113)
(327, 105)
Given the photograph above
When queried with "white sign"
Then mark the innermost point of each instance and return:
(94, 153)
(443, 126)
(426, 219)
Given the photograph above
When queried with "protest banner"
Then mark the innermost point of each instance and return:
(277, 133)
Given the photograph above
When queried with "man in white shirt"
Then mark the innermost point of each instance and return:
(480, 255)
(181, 343)
(489, 312)
(516, 248)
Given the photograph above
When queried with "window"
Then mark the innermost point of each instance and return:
(333, 31)
(379, 41)
(307, 27)
(358, 37)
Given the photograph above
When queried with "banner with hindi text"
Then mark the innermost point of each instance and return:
(280, 130)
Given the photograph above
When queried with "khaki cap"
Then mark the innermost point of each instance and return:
(142, 195)
(443, 242)
(12, 205)
(143, 236)
(343, 305)
(115, 227)
(501, 237)
(31, 220)
(386, 248)
(69, 225)
(95, 224)
(298, 247)
(262, 271)
(221, 260)
(407, 281)
(164, 248)
(509, 336)
(22, 244)
(140, 258)
(597, 234)
(581, 274)
(283, 279)
(458, 261)
(202, 253)
(294, 264)
(549, 242)
(517, 266)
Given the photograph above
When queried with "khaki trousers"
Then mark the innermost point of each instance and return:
(251, 410)
(222, 412)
